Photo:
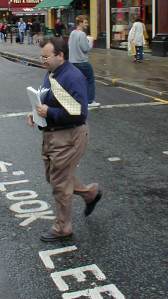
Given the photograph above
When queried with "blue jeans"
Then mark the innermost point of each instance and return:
(87, 70)
(139, 52)
(21, 35)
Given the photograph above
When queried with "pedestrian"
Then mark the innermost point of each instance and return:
(29, 32)
(136, 39)
(21, 29)
(66, 135)
(59, 27)
(79, 46)
(1, 31)
(4, 31)
(36, 31)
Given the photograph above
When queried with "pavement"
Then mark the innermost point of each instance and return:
(112, 66)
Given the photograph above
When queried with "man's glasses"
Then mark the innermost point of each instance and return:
(45, 58)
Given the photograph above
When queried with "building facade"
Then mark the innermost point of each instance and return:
(4, 10)
(120, 15)
(67, 10)
(11, 10)
(110, 20)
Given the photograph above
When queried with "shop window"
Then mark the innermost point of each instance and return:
(123, 14)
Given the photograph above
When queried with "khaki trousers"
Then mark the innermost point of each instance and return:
(61, 152)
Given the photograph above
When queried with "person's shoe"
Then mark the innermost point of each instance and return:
(93, 104)
(51, 237)
(91, 205)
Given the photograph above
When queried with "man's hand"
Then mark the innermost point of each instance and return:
(29, 120)
(42, 110)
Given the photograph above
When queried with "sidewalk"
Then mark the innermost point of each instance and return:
(114, 66)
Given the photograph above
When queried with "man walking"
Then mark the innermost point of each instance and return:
(79, 46)
(65, 138)
(21, 29)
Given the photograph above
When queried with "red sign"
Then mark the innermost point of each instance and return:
(4, 4)
(23, 3)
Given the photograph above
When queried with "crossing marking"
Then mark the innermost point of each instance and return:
(13, 114)
(18, 172)
(114, 159)
(102, 82)
(159, 102)
(131, 105)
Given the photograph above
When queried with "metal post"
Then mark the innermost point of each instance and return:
(11, 35)
(108, 24)
(153, 18)
(11, 31)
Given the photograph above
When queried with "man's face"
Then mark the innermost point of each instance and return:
(50, 60)
(85, 24)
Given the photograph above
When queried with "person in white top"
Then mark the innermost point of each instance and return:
(136, 38)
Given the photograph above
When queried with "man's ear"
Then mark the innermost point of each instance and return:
(61, 55)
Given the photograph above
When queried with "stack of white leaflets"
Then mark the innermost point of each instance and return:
(35, 97)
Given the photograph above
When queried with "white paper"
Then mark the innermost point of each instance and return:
(90, 40)
(35, 99)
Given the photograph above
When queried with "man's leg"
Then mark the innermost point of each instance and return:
(87, 70)
(21, 37)
(87, 192)
(62, 151)
(90, 193)
(91, 82)
(23, 34)
(141, 53)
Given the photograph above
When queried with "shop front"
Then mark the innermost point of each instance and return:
(4, 10)
(160, 28)
(122, 15)
(25, 9)
(65, 10)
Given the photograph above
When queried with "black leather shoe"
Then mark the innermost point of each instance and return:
(90, 206)
(51, 237)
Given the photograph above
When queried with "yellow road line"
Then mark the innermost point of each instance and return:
(161, 101)
(138, 92)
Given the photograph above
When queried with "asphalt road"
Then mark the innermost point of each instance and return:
(122, 247)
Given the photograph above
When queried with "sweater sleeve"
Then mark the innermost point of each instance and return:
(84, 43)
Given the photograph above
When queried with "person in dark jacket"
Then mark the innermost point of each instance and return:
(65, 137)
(59, 27)
(36, 31)
(29, 32)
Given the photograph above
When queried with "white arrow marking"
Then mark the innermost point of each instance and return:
(3, 165)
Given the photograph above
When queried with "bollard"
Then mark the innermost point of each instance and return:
(11, 36)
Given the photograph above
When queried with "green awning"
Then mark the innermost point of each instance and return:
(48, 4)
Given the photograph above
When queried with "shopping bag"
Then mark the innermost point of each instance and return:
(131, 49)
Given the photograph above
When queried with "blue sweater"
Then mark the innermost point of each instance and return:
(74, 82)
